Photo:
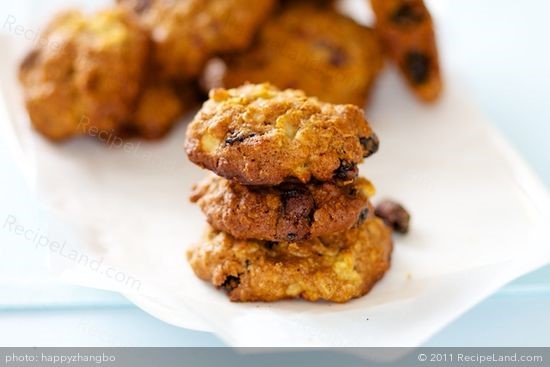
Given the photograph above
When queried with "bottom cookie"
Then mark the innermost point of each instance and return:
(335, 268)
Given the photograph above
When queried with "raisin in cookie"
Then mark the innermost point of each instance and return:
(187, 33)
(85, 73)
(260, 135)
(329, 56)
(287, 212)
(335, 268)
(407, 32)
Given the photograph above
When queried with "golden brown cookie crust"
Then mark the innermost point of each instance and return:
(334, 268)
(314, 49)
(86, 72)
(187, 33)
(407, 32)
(288, 212)
(259, 135)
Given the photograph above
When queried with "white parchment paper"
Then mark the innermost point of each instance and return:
(478, 216)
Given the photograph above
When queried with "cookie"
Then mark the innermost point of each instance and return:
(260, 135)
(407, 32)
(187, 33)
(159, 106)
(85, 73)
(314, 49)
(335, 268)
(287, 212)
(317, 3)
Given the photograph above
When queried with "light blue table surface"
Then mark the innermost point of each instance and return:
(505, 45)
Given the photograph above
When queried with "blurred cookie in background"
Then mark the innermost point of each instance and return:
(160, 105)
(318, 3)
(86, 73)
(407, 33)
(312, 48)
(187, 33)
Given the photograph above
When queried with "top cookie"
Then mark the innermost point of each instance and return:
(260, 135)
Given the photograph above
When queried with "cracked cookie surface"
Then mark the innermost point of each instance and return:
(287, 212)
(335, 268)
(260, 135)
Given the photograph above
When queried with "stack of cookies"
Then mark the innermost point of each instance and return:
(288, 215)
